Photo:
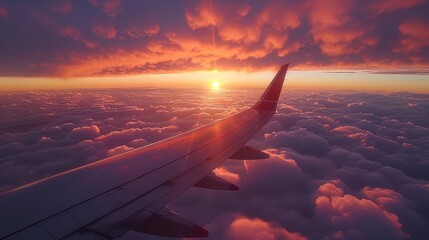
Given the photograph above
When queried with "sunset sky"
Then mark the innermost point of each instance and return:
(369, 45)
(81, 81)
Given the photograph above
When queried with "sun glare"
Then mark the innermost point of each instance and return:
(215, 85)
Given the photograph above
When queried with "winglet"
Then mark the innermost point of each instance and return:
(269, 99)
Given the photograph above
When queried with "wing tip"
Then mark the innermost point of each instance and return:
(270, 97)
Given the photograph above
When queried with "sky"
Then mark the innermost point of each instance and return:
(366, 45)
(343, 165)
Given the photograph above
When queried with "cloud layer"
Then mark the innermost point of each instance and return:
(114, 37)
(343, 165)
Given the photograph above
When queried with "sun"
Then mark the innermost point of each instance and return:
(215, 85)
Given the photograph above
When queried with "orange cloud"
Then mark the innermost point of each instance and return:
(118, 150)
(382, 196)
(237, 33)
(330, 13)
(246, 228)
(226, 17)
(227, 175)
(138, 32)
(248, 33)
(333, 27)
(105, 31)
(347, 130)
(228, 35)
(290, 47)
(388, 6)
(415, 35)
(281, 15)
(234, 23)
(274, 41)
(347, 209)
(329, 189)
(203, 15)
(177, 51)
(152, 30)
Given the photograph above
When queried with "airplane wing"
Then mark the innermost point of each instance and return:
(128, 192)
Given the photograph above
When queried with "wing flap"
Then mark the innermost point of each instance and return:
(170, 225)
(249, 153)
(216, 183)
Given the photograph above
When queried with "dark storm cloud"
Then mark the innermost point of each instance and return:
(113, 37)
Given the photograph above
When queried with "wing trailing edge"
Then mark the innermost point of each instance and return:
(216, 183)
(170, 225)
(249, 153)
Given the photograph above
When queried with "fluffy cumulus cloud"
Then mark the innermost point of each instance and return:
(245, 228)
(70, 128)
(343, 165)
(114, 37)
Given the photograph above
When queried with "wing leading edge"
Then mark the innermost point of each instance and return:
(108, 198)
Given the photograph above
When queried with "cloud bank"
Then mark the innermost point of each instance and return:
(103, 38)
(343, 165)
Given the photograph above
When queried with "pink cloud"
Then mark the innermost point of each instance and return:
(118, 150)
(232, 21)
(335, 29)
(116, 138)
(247, 228)
(415, 35)
(85, 132)
(329, 189)
(274, 41)
(237, 33)
(203, 15)
(62, 7)
(357, 214)
(281, 15)
(233, 35)
(152, 30)
(110, 7)
(137, 32)
(3, 12)
(75, 34)
(382, 196)
(347, 130)
(330, 13)
(290, 47)
(138, 143)
(227, 175)
(105, 31)
(388, 6)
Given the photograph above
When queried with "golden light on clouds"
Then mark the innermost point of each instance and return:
(296, 79)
